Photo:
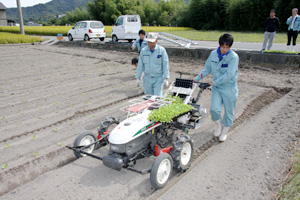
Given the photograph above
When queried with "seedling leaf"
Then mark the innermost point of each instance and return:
(4, 166)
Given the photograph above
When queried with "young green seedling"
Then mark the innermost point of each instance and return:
(168, 112)
(36, 154)
(4, 166)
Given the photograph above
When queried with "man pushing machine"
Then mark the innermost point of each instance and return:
(223, 64)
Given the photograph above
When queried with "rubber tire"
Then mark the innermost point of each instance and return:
(86, 38)
(176, 153)
(114, 38)
(70, 37)
(78, 140)
(130, 40)
(154, 170)
(101, 39)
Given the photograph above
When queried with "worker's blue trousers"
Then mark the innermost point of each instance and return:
(226, 96)
(153, 85)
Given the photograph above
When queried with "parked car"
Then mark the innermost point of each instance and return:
(87, 30)
(126, 28)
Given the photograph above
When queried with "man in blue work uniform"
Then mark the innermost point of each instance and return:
(154, 61)
(141, 42)
(223, 64)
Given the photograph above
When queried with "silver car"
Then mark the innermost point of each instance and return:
(87, 30)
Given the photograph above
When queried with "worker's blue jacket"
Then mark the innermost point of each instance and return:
(296, 23)
(154, 64)
(224, 68)
(139, 45)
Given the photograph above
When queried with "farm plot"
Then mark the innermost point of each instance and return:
(51, 94)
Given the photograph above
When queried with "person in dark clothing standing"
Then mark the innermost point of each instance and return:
(272, 24)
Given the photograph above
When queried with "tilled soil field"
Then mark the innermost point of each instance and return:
(49, 95)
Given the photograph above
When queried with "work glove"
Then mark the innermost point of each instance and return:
(138, 82)
(166, 83)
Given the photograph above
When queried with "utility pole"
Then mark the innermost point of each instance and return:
(20, 17)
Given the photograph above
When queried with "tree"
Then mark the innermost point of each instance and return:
(249, 15)
(79, 14)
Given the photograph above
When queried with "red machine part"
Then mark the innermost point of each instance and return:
(163, 150)
(99, 136)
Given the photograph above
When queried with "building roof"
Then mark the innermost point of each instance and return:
(2, 7)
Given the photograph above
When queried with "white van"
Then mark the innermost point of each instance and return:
(127, 27)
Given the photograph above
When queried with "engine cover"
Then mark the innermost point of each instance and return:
(112, 161)
(133, 146)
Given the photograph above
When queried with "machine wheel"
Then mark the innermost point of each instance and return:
(85, 138)
(101, 39)
(70, 37)
(130, 40)
(114, 38)
(86, 38)
(161, 170)
(182, 153)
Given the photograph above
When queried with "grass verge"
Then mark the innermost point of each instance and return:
(291, 189)
(238, 36)
(278, 51)
(54, 30)
(11, 38)
(188, 33)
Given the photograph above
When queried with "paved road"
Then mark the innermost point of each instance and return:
(210, 44)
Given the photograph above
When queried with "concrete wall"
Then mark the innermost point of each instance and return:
(3, 20)
(251, 57)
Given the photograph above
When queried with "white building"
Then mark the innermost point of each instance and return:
(3, 20)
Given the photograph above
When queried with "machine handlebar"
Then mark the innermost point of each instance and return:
(203, 86)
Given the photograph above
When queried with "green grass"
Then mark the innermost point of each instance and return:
(291, 190)
(11, 38)
(238, 36)
(278, 51)
(37, 30)
(54, 30)
(188, 33)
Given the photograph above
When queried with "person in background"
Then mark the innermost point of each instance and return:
(140, 43)
(293, 29)
(154, 61)
(272, 24)
(135, 62)
(223, 64)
